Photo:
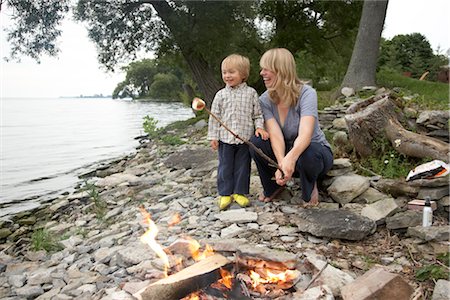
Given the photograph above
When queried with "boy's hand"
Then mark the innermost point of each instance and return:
(214, 144)
(262, 133)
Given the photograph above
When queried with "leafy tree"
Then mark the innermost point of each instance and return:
(410, 53)
(163, 87)
(322, 34)
(202, 33)
(362, 68)
(147, 78)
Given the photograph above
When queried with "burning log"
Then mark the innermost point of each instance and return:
(188, 280)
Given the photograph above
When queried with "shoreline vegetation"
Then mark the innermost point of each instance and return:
(85, 244)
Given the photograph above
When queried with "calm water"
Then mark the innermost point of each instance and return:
(47, 143)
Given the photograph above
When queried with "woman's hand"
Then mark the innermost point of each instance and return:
(288, 167)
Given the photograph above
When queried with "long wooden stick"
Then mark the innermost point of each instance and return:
(272, 163)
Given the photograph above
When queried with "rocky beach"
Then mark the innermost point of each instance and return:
(362, 226)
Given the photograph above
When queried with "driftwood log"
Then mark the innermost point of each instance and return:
(379, 117)
(188, 280)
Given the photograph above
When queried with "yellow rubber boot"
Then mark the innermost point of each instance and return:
(241, 200)
(224, 202)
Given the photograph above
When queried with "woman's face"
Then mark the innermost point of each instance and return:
(268, 77)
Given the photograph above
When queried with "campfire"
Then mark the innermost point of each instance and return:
(212, 274)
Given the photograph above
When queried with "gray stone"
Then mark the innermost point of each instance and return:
(330, 276)
(404, 220)
(237, 216)
(441, 290)
(380, 210)
(190, 158)
(259, 252)
(346, 188)
(431, 233)
(29, 292)
(433, 193)
(338, 224)
(231, 231)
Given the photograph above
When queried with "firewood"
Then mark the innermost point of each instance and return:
(376, 119)
(188, 280)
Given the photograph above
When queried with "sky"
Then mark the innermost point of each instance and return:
(76, 70)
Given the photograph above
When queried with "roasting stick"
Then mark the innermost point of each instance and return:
(198, 105)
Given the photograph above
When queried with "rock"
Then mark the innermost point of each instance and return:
(330, 276)
(377, 284)
(441, 290)
(190, 158)
(264, 253)
(380, 210)
(322, 292)
(404, 220)
(432, 233)
(333, 224)
(347, 91)
(346, 188)
(237, 216)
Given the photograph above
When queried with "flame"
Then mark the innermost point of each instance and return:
(227, 278)
(194, 248)
(193, 296)
(174, 220)
(149, 238)
(272, 276)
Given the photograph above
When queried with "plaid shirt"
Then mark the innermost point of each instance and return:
(239, 109)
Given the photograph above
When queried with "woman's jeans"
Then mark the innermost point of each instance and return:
(312, 165)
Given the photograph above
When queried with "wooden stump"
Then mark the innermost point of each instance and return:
(378, 118)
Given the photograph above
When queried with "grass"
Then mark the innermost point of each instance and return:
(100, 206)
(42, 239)
(430, 95)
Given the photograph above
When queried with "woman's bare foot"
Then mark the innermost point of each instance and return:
(314, 201)
(263, 198)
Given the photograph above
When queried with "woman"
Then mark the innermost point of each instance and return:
(296, 141)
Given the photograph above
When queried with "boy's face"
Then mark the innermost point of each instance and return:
(231, 76)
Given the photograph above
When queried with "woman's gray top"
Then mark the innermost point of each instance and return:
(306, 106)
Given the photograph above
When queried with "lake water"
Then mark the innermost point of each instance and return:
(47, 143)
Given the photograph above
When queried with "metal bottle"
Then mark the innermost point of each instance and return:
(427, 217)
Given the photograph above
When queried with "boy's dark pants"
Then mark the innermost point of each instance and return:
(311, 166)
(233, 176)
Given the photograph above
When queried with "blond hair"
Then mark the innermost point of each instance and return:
(287, 85)
(239, 62)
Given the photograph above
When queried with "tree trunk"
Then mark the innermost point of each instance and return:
(362, 68)
(202, 73)
(378, 118)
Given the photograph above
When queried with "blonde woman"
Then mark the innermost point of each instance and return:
(238, 107)
(291, 118)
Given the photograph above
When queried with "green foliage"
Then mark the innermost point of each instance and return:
(165, 86)
(434, 95)
(100, 206)
(172, 140)
(36, 27)
(411, 53)
(431, 272)
(150, 127)
(152, 78)
(389, 163)
(435, 271)
(42, 239)
(160, 134)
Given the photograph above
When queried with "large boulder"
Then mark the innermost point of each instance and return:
(336, 224)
